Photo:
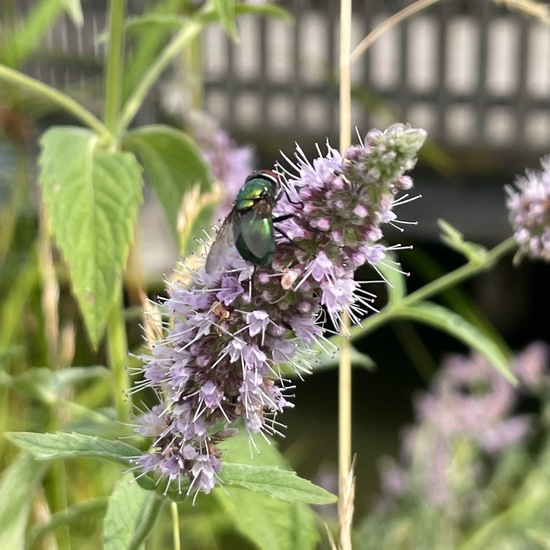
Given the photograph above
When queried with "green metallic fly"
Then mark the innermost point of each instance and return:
(249, 225)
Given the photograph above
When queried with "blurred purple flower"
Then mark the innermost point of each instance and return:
(229, 164)
(469, 403)
(219, 362)
(529, 206)
(531, 366)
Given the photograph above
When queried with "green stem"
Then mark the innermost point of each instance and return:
(176, 45)
(59, 490)
(192, 65)
(175, 526)
(345, 467)
(117, 352)
(115, 63)
(148, 519)
(55, 96)
(473, 267)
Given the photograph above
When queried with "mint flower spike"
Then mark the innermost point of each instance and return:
(220, 364)
(529, 207)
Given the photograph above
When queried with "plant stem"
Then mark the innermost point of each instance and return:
(149, 516)
(117, 344)
(175, 525)
(117, 353)
(473, 267)
(134, 102)
(345, 75)
(114, 63)
(55, 96)
(346, 486)
(192, 65)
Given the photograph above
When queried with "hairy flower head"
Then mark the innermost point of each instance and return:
(219, 364)
(529, 206)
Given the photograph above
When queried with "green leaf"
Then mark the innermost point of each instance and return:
(15, 300)
(267, 10)
(46, 385)
(226, 14)
(124, 512)
(73, 9)
(270, 523)
(173, 164)
(454, 239)
(144, 23)
(73, 515)
(17, 485)
(455, 297)
(284, 485)
(448, 321)
(64, 445)
(92, 197)
(21, 41)
(540, 538)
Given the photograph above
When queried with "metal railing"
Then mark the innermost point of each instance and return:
(472, 74)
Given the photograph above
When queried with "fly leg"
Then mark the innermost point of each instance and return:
(282, 219)
(281, 232)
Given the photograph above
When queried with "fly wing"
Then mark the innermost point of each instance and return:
(220, 246)
(254, 237)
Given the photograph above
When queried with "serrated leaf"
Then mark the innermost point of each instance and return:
(71, 445)
(281, 484)
(124, 512)
(17, 485)
(92, 197)
(448, 321)
(226, 14)
(270, 523)
(173, 164)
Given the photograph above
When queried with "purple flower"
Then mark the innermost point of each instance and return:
(531, 366)
(468, 414)
(529, 206)
(219, 362)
